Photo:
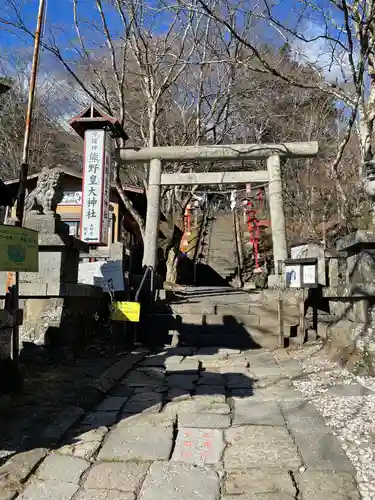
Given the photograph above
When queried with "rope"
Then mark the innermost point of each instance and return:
(258, 186)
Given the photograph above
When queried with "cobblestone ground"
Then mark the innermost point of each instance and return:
(212, 424)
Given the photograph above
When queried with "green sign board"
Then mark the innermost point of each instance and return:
(18, 249)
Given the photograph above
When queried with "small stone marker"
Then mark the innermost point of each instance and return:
(198, 446)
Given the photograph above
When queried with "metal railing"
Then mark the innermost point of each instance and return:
(149, 269)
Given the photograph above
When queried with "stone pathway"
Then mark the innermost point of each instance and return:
(213, 424)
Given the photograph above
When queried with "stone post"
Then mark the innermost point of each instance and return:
(153, 213)
(280, 251)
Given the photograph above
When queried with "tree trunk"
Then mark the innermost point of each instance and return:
(128, 204)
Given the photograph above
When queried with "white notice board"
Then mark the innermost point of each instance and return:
(107, 275)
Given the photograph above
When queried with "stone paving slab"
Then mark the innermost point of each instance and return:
(81, 448)
(62, 468)
(178, 394)
(99, 419)
(277, 393)
(186, 366)
(197, 404)
(239, 381)
(182, 381)
(252, 481)
(257, 413)
(172, 480)
(318, 485)
(198, 446)
(155, 360)
(252, 447)
(49, 490)
(268, 370)
(104, 495)
(260, 496)
(138, 378)
(60, 426)
(121, 476)
(318, 446)
(204, 420)
(349, 390)
(204, 396)
(137, 443)
(147, 419)
(7, 493)
(208, 378)
(18, 468)
(122, 391)
(149, 401)
(111, 403)
(216, 392)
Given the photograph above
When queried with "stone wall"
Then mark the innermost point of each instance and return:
(63, 323)
(6, 323)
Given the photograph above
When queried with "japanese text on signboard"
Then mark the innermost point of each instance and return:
(94, 208)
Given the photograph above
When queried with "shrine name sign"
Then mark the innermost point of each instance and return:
(95, 188)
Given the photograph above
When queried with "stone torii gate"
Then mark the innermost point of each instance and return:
(271, 152)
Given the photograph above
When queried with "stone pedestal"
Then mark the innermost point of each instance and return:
(359, 248)
(351, 286)
(58, 257)
(58, 311)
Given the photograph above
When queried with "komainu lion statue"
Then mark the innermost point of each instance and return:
(48, 192)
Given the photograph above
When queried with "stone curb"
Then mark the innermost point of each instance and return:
(20, 466)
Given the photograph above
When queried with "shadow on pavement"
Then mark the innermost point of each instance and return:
(153, 386)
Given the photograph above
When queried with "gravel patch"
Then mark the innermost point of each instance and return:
(351, 417)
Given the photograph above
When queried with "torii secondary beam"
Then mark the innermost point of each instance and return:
(219, 152)
(215, 178)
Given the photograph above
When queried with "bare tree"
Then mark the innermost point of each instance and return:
(335, 41)
(50, 143)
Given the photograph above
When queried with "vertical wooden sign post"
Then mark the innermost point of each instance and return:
(98, 130)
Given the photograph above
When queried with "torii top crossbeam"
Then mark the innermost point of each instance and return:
(220, 152)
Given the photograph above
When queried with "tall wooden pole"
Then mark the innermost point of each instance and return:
(24, 168)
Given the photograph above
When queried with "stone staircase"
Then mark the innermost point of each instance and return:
(213, 316)
(222, 257)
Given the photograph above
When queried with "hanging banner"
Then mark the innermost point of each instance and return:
(95, 189)
(18, 249)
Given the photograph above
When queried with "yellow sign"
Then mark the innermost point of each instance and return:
(18, 249)
(126, 311)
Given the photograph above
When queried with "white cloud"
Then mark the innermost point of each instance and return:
(321, 52)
